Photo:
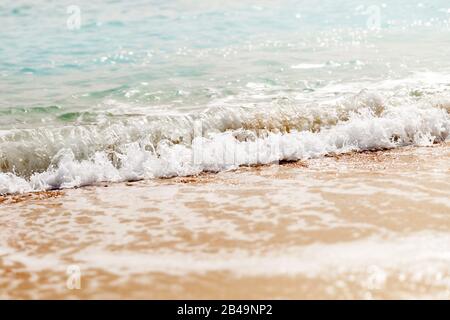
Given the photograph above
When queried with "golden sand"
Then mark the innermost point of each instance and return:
(360, 225)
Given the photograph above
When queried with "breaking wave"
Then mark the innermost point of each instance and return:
(220, 138)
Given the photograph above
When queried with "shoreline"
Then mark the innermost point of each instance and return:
(370, 225)
(365, 156)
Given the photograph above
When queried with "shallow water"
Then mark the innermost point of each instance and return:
(112, 91)
(306, 146)
(371, 225)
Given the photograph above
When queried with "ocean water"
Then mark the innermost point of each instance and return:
(95, 92)
(130, 90)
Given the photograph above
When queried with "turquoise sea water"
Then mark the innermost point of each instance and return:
(124, 90)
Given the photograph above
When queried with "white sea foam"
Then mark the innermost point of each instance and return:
(308, 66)
(366, 129)
(229, 134)
(10, 183)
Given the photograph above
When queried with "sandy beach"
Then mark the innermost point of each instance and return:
(230, 150)
(361, 225)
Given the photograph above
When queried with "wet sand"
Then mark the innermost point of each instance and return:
(361, 225)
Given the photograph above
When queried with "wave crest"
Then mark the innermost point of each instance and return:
(216, 140)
